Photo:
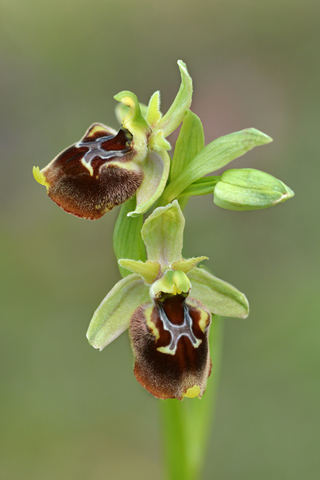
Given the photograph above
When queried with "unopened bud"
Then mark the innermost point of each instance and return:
(249, 189)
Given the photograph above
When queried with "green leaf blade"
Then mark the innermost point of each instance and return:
(214, 156)
(127, 240)
(190, 142)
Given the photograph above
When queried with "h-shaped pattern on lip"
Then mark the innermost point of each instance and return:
(96, 150)
(177, 331)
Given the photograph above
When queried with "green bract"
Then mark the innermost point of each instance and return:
(167, 302)
(249, 189)
(214, 156)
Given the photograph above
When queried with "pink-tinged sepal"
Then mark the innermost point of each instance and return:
(170, 343)
(95, 174)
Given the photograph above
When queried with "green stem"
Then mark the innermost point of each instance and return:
(186, 424)
(174, 440)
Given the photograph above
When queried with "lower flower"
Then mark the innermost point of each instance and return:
(167, 304)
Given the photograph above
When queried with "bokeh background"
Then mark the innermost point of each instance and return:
(69, 412)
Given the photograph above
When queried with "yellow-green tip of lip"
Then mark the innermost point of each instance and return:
(39, 177)
(192, 392)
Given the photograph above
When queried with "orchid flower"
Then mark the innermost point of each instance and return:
(106, 168)
(167, 303)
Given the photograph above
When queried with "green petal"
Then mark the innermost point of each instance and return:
(218, 296)
(162, 234)
(157, 141)
(153, 113)
(215, 155)
(147, 270)
(156, 170)
(112, 317)
(186, 265)
(174, 116)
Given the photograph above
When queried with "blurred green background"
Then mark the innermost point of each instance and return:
(69, 412)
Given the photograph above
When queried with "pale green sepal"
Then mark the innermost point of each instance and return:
(203, 186)
(172, 282)
(174, 116)
(218, 296)
(189, 142)
(127, 241)
(162, 234)
(112, 317)
(186, 265)
(149, 271)
(215, 155)
(121, 110)
(155, 170)
(153, 113)
(249, 189)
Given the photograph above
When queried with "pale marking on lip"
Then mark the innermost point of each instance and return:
(177, 331)
(95, 150)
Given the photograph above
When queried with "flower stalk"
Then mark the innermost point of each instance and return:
(186, 425)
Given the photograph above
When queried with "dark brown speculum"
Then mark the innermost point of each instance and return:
(94, 175)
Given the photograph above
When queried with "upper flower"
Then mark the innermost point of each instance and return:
(106, 168)
(167, 304)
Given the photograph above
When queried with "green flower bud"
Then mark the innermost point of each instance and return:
(249, 189)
